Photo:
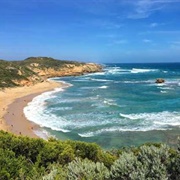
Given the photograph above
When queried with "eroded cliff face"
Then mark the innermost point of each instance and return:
(67, 70)
(37, 69)
(29, 80)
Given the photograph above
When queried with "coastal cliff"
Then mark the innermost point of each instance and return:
(37, 69)
(66, 70)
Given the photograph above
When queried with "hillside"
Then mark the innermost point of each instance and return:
(37, 69)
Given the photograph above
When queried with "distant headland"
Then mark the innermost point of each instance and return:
(37, 69)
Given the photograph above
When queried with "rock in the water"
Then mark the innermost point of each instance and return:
(160, 80)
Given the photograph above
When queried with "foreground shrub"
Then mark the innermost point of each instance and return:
(79, 170)
(56, 172)
(127, 167)
(12, 167)
(87, 170)
(150, 163)
(154, 161)
(174, 163)
(32, 159)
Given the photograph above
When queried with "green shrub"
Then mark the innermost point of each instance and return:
(174, 163)
(56, 172)
(86, 170)
(127, 167)
(12, 167)
(154, 161)
(27, 158)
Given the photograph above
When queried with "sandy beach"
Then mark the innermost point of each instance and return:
(12, 102)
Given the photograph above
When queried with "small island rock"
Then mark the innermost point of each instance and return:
(160, 80)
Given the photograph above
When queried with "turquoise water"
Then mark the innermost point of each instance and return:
(122, 106)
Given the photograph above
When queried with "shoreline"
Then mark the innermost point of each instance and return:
(12, 103)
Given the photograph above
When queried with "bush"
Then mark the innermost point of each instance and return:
(27, 158)
(150, 163)
(154, 161)
(12, 167)
(174, 163)
(127, 167)
(87, 170)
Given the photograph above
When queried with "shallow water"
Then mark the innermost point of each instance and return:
(121, 106)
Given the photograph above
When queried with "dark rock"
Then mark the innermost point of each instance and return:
(160, 80)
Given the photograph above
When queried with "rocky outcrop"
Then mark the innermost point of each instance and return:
(28, 81)
(67, 70)
(160, 80)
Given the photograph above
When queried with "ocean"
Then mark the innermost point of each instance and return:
(121, 106)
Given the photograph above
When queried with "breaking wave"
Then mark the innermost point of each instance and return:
(135, 70)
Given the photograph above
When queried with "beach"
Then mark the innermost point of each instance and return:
(12, 103)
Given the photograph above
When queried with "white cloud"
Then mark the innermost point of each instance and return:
(175, 45)
(147, 40)
(144, 8)
(163, 32)
(118, 42)
(153, 24)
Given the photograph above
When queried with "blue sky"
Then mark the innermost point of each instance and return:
(91, 30)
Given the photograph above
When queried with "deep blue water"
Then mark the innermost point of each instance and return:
(121, 106)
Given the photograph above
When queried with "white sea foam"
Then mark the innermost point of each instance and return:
(84, 120)
(166, 88)
(65, 84)
(159, 84)
(164, 92)
(146, 122)
(101, 80)
(172, 82)
(58, 80)
(90, 87)
(81, 80)
(168, 85)
(88, 134)
(117, 70)
(62, 108)
(36, 112)
(139, 82)
(135, 70)
(110, 102)
(118, 129)
(128, 116)
(103, 87)
(163, 117)
(95, 74)
(42, 133)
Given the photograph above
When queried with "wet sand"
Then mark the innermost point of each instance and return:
(12, 103)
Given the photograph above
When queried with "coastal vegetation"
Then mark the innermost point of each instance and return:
(10, 72)
(28, 158)
(37, 69)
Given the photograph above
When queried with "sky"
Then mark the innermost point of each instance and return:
(119, 31)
